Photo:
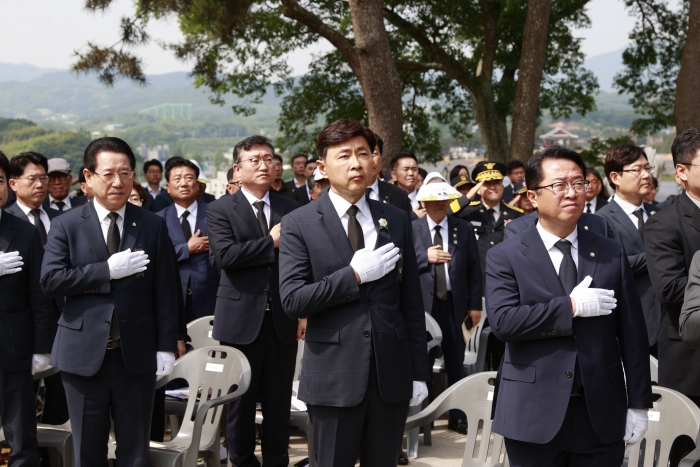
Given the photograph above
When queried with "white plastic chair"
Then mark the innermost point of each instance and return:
(654, 368)
(473, 395)
(200, 331)
(210, 372)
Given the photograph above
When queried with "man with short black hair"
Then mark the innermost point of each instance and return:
(515, 171)
(233, 183)
(84, 188)
(379, 190)
(153, 171)
(298, 183)
(404, 169)
(309, 168)
(288, 190)
(60, 180)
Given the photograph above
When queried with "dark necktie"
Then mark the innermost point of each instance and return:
(639, 214)
(567, 269)
(186, 225)
(368, 192)
(39, 225)
(588, 208)
(355, 235)
(60, 205)
(262, 220)
(113, 238)
(492, 215)
(440, 270)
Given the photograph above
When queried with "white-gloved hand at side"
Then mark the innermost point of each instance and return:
(126, 263)
(371, 265)
(636, 425)
(420, 392)
(592, 302)
(10, 263)
(164, 363)
(40, 362)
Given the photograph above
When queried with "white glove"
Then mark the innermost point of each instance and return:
(165, 362)
(372, 265)
(592, 302)
(10, 263)
(126, 263)
(40, 362)
(420, 392)
(636, 425)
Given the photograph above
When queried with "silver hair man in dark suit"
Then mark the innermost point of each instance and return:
(348, 265)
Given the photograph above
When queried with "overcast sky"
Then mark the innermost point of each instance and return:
(46, 32)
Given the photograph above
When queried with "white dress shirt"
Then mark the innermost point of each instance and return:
(192, 218)
(630, 208)
(102, 215)
(413, 197)
(593, 203)
(445, 234)
(152, 192)
(555, 254)
(252, 199)
(66, 200)
(364, 217)
(496, 210)
(374, 194)
(42, 215)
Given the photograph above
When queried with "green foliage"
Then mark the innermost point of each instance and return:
(595, 155)
(652, 62)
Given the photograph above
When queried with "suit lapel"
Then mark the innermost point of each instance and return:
(174, 225)
(538, 256)
(690, 211)
(7, 231)
(383, 235)
(132, 227)
(383, 195)
(201, 222)
(92, 231)
(334, 228)
(588, 254)
(621, 217)
(242, 208)
(276, 211)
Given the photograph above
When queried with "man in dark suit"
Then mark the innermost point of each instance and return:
(27, 328)
(515, 171)
(113, 262)
(288, 190)
(450, 276)
(60, 180)
(595, 224)
(297, 185)
(594, 198)
(187, 227)
(564, 301)
(244, 232)
(379, 190)
(365, 357)
(671, 238)
(629, 172)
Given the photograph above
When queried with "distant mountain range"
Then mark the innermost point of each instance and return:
(29, 91)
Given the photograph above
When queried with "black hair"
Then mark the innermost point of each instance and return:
(685, 146)
(81, 175)
(20, 162)
(514, 164)
(278, 157)
(455, 171)
(533, 169)
(4, 165)
(593, 171)
(656, 182)
(342, 130)
(107, 143)
(175, 162)
(309, 161)
(148, 164)
(248, 143)
(380, 144)
(402, 155)
(620, 156)
(229, 175)
(422, 172)
(296, 156)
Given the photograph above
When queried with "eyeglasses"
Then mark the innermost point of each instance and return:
(238, 183)
(33, 179)
(256, 161)
(638, 171)
(694, 165)
(58, 177)
(561, 188)
(112, 177)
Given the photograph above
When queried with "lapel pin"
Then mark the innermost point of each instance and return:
(481, 210)
(134, 224)
(653, 212)
(585, 227)
(592, 255)
(455, 229)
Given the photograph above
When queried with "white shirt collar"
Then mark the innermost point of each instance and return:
(26, 209)
(629, 208)
(549, 239)
(251, 199)
(192, 209)
(442, 224)
(341, 205)
(496, 208)
(102, 212)
(65, 200)
(375, 186)
(697, 202)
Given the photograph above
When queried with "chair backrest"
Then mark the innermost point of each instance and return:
(673, 415)
(200, 331)
(434, 330)
(300, 354)
(474, 396)
(472, 348)
(654, 368)
(210, 372)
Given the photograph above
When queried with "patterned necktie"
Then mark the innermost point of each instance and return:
(60, 205)
(355, 234)
(186, 225)
(440, 270)
(36, 213)
(588, 208)
(262, 220)
(639, 214)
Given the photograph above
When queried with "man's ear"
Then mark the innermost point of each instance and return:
(532, 196)
(321, 164)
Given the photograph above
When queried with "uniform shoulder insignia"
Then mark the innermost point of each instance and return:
(455, 206)
(475, 203)
(514, 208)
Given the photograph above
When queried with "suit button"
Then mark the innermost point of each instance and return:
(107, 323)
(265, 291)
(369, 302)
(366, 333)
(545, 334)
(576, 339)
(568, 374)
(491, 243)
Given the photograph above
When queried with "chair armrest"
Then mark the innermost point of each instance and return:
(690, 459)
(193, 450)
(163, 380)
(430, 413)
(434, 342)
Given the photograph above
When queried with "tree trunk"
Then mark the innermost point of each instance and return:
(527, 93)
(491, 125)
(687, 104)
(378, 78)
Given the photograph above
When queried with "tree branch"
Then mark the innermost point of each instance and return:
(409, 65)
